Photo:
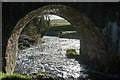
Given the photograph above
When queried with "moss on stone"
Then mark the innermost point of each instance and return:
(71, 52)
(21, 46)
(39, 76)
(4, 76)
(45, 75)
(42, 76)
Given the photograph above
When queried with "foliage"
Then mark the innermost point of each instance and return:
(40, 76)
(4, 76)
(21, 46)
(71, 52)
(39, 24)
(43, 24)
(43, 76)
(1, 75)
(54, 30)
(35, 29)
(63, 28)
(63, 33)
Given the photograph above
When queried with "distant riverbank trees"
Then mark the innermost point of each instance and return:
(34, 31)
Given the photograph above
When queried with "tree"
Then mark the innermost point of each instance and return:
(34, 31)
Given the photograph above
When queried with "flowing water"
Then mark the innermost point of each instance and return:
(50, 57)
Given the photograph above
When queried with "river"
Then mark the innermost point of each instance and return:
(50, 57)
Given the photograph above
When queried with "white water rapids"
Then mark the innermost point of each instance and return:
(50, 57)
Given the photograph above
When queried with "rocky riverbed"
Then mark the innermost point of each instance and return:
(50, 57)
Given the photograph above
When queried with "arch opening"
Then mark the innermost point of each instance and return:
(53, 49)
(92, 41)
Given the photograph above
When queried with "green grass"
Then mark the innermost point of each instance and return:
(68, 32)
(4, 76)
(72, 53)
(59, 22)
(54, 30)
(39, 76)
(63, 28)
(44, 76)
(21, 46)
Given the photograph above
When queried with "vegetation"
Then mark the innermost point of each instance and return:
(37, 26)
(35, 30)
(43, 76)
(20, 46)
(40, 76)
(54, 30)
(62, 27)
(4, 76)
(42, 25)
(65, 33)
(72, 53)
(59, 22)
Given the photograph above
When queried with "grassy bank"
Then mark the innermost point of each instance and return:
(59, 22)
(39, 76)
(66, 31)
(62, 27)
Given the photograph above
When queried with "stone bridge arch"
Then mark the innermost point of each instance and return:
(93, 48)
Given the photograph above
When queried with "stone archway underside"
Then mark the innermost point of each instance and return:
(92, 41)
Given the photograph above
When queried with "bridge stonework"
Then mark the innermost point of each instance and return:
(93, 46)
